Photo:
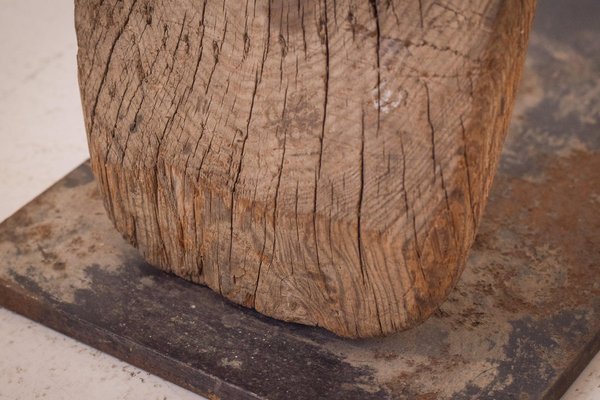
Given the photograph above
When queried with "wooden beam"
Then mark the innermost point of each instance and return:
(324, 162)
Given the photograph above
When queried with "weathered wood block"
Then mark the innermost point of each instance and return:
(324, 162)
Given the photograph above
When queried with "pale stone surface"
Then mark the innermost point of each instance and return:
(42, 138)
(37, 362)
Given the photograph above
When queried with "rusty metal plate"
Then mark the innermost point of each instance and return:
(522, 322)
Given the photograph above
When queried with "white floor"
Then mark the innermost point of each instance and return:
(41, 139)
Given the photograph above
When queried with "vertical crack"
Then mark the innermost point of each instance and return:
(275, 200)
(267, 40)
(301, 12)
(224, 32)
(406, 204)
(281, 164)
(246, 37)
(179, 37)
(201, 47)
(378, 55)
(468, 172)
(283, 45)
(260, 263)
(450, 215)
(298, 227)
(314, 222)
(360, 197)
(106, 67)
(324, 24)
(239, 169)
(133, 127)
(114, 129)
(436, 162)
(216, 61)
(431, 129)
(330, 220)
(394, 12)
(361, 260)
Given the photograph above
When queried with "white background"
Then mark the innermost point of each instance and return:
(42, 138)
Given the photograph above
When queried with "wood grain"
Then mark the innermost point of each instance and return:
(324, 162)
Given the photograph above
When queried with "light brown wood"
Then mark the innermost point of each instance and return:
(324, 162)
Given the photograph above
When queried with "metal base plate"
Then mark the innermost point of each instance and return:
(522, 322)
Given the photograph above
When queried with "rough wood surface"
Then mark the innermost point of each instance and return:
(324, 162)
